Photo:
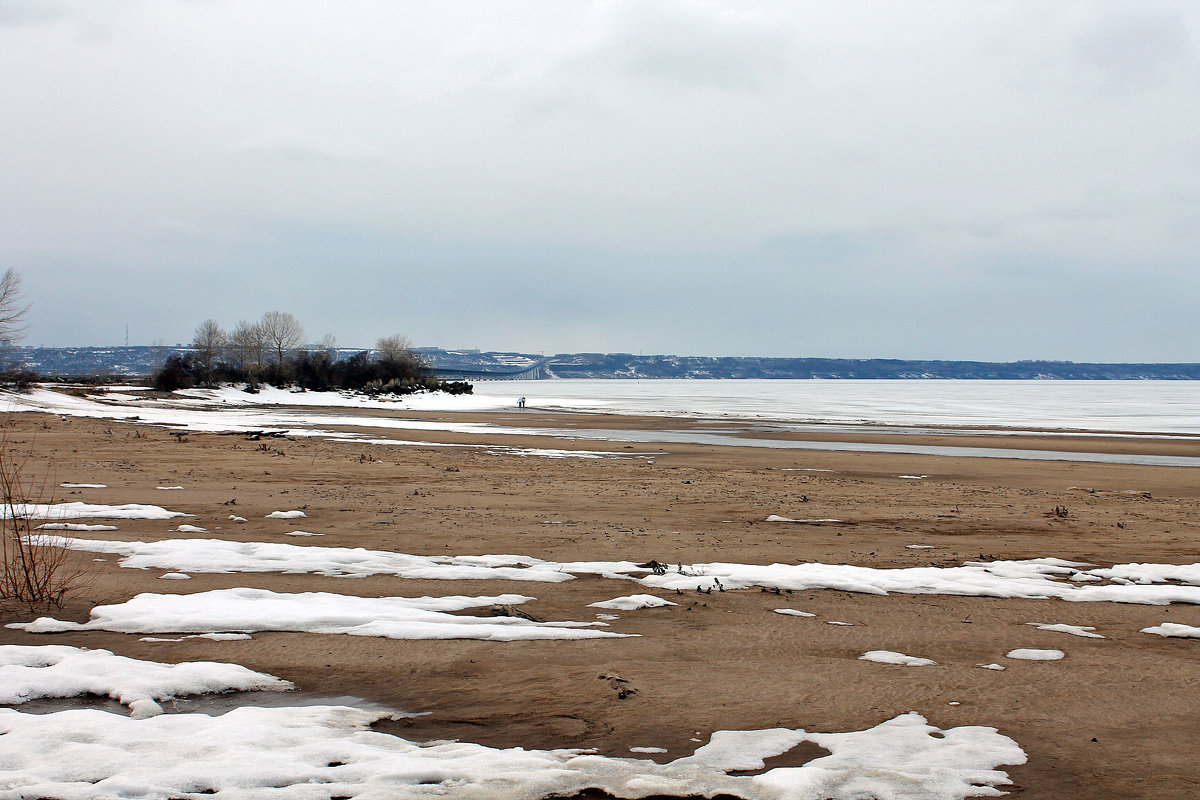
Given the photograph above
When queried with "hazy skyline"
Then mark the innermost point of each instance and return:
(953, 180)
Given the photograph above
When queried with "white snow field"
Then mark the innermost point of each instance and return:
(899, 659)
(246, 610)
(1032, 578)
(318, 752)
(36, 672)
(1147, 406)
(633, 602)
(231, 410)
(86, 511)
(74, 526)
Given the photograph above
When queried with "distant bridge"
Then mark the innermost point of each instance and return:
(533, 372)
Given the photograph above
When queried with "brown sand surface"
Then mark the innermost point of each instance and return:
(1118, 717)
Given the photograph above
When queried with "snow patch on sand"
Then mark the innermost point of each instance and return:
(791, 612)
(633, 602)
(1174, 629)
(286, 515)
(74, 526)
(245, 610)
(1150, 573)
(1030, 654)
(497, 449)
(218, 555)
(1085, 631)
(216, 637)
(86, 511)
(84, 485)
(34, 672)
(1039, 578)
(892, 657)
(323, 751)
(777, 518)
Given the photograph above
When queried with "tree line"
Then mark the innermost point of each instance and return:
(271, 351)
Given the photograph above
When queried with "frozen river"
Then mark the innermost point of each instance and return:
(1133, 406)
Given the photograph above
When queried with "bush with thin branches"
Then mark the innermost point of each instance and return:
(37, 568)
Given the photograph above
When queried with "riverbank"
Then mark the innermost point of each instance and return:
(1114, 717)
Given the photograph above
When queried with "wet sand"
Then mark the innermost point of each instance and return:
(1115, 718)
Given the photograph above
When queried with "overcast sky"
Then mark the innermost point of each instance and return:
(953, 179)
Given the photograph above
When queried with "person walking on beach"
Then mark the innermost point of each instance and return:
(520, 402)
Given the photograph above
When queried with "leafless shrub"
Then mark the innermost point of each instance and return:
(37, 568)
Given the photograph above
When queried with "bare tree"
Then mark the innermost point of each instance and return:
(282, 332)
(397, 358)
(12, 307)
(392, 348)
(208, 343)
(246, 345)
(158, 354)
(329, 345)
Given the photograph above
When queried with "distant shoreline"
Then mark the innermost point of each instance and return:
(137, 361)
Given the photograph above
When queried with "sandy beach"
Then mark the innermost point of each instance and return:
(1116, 717)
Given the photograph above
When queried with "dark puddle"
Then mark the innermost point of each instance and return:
(913, 448)
(798, 756)
(211, 704)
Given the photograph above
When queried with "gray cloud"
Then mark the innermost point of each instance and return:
(34, 12)
(1137, 49)
(926, 179)
(696, 46)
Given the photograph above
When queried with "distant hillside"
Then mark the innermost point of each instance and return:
(477, 365)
